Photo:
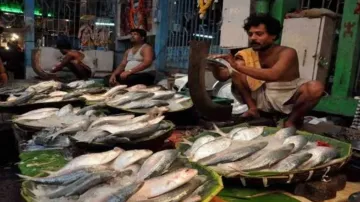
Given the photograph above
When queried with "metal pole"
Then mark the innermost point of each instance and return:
(262, 6)
(29, 36)
(162, 34)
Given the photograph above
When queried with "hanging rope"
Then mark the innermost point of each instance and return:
(204, 6)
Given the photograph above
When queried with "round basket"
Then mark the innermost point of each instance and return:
(266, 179)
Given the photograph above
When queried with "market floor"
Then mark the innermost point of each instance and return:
(10, 183)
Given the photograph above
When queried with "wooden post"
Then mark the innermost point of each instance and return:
(198, 52)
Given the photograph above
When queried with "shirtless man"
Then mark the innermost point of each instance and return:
(283, 90)
(77, 62)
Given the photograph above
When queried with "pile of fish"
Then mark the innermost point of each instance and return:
(89, 125)
(142, 97)
(245, 150)
(118, 175)
(47, 91)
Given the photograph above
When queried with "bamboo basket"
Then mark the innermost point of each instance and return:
(266, 179)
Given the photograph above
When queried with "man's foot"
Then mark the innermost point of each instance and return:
(254, 113)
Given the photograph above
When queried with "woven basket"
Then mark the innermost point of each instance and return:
(265, 179)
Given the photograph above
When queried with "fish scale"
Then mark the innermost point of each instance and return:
(210, 148)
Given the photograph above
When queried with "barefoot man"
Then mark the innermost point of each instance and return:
(267, 75)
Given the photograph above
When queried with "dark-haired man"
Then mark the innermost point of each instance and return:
(137, 65)
(77, 62)
(276, 85)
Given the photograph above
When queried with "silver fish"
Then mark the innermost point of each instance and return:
(114, 90)
(111, 120)
(270, 158)
(298, 140)
(135, 130)
(129, 97)
(163, 184)
(44, 86)
(93, 98)
(180, 193)
(19, 100)
(285, 133)
(210, 148)
(156, 164)
(75, 84)
(85, 84)
(50, 99)
(233, 153)
(81, 185)
(290, 163)
(59, 180)
(41, 138)
(90, 135)
(163, 95)
(35, 116)
(144, 104)
(89, 160)
(36, 111)
(320, 155)
(111, 140)
(91, 107)
(123, 194)
(198, 142)
(82, 125)
(78, 93)
(38, 97)
(57, 94)
(136, 88)
(127, 158)
(241, 133)
(67, 109)
(152, 89)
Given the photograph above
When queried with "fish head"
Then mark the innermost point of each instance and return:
(187, 173)
(156, 120)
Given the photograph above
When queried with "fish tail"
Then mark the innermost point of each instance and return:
(218, 130)
(25, 177)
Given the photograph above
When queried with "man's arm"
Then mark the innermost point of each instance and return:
(122, 65)
(148, 55)
(66, 60)
(272, 74)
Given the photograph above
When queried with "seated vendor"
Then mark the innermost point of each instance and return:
(267, 75)
(77, 62)
(137, 66)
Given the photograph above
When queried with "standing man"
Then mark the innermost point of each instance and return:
(137, 66)
(267, 75)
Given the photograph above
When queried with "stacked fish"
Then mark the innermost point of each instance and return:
(118, 175)
(47, 91)
(245, 150)
(142, 97)
(86, 125)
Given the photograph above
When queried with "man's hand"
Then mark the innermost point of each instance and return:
(113, 80)
(228, 57)
(125, 74)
